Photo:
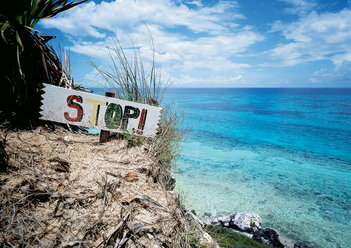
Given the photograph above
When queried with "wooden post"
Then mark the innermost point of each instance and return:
(104, 135)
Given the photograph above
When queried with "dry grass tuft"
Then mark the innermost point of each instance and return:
(130, 81)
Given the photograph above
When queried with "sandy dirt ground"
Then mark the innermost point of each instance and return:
(60, 189)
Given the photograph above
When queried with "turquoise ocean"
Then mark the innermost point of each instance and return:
(282, 153)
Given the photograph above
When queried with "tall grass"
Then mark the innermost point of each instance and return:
(166, 144)
(128, 77)
(130, 81)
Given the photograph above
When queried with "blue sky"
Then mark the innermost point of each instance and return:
(243, 43)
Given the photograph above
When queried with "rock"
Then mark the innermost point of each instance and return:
(246, 221)
(301, 245)
(218, 221)
(207, 241)
(268, 236)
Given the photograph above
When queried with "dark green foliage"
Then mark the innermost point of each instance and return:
(21, 85)
(229, 239)
(29, 12)
(132, 139)
(27, 61)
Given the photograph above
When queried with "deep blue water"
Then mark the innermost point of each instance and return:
(282, 153)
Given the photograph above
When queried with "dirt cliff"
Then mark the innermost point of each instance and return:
(60, 189)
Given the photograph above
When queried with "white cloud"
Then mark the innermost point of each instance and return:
(96, 50)
(236, 78)
(314, 37)
(341, 72)
(204, 50)
(92, 19)
(300, 7)
(196, 3)
(339, 58)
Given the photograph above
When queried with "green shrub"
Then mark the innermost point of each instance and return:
(132, 138)
(229, 239)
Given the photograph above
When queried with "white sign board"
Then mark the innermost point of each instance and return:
(101, 112)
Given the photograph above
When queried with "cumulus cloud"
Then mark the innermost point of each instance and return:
(343, 70)
(300, 7)
(196, 3)
(190, 38)
(92, 19)
(314, 37)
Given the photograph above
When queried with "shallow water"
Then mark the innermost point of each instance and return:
(282, 153)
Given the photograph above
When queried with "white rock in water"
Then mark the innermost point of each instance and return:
(224, 220)
(245, 221)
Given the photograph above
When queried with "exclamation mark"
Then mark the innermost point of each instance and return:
(142, 122)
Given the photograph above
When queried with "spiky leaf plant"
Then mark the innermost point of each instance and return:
(27, 60)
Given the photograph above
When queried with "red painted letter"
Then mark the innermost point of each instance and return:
(78, 107)
(142, 122)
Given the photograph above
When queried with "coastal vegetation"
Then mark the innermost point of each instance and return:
(231, 239)
(27, 60)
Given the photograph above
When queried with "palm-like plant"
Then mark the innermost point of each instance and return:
(27, 60)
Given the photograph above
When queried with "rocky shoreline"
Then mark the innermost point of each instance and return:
(250, 225)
